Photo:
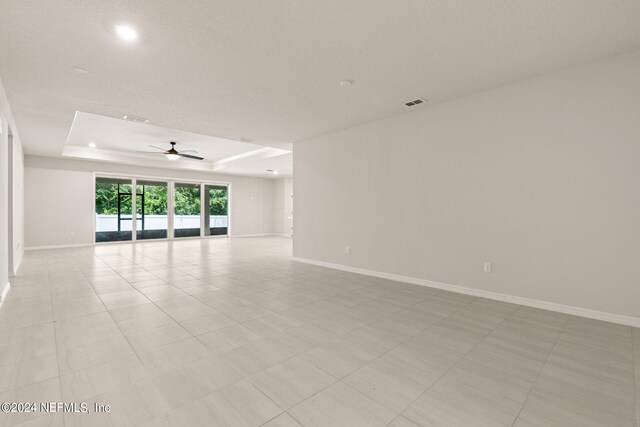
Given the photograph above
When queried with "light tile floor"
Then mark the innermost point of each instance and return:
(232, 332)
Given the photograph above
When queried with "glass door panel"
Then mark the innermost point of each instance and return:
(216, 215)
(151, 210)
(186, 207)
(113, 210)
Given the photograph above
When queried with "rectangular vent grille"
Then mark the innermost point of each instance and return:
(414, 102)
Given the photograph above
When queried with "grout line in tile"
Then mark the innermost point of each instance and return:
(546, 361)
(55, 338)
(376, 358)
(459, 360)
(636, 374)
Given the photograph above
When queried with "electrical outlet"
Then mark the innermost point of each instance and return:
(347, 249)
(487, 267)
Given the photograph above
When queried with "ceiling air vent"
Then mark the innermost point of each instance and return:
(415, 102)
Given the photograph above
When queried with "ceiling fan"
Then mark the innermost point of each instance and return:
(173, 154)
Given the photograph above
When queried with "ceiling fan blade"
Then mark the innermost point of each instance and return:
(159, 148)
(189, 156)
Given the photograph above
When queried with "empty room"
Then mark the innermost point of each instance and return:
(320, 213)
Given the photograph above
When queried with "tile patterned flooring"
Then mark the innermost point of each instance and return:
(232, 332)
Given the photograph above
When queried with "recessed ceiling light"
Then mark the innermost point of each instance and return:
(126, 33)
(346, 83)
(92, 145)
(275, 172)
(136, 119)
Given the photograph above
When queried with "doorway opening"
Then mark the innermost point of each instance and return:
(152, 219)
(216, 210)
(114, 219)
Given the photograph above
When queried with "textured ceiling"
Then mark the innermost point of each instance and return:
(269, 70)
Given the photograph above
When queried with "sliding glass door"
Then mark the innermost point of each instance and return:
(113, 210)
(216, 215)
(163, 209)
(186, 209)
(152, 220)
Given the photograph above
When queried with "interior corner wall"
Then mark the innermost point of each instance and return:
(539, 178)
(288, 207)
(11, 202)
(59, 199)
(4, 204)
(283, 189)
(17, 204)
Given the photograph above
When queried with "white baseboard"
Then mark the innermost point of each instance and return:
(72, 245)
(252, 235)
(16, 267)
(3, 294)
(530, 302)
(80, 245)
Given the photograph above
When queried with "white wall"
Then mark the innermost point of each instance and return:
(59, 199)
(541, 178)
(288, 207)
(283, 205)
(4, 203)
(11, 162)
(17, 206)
